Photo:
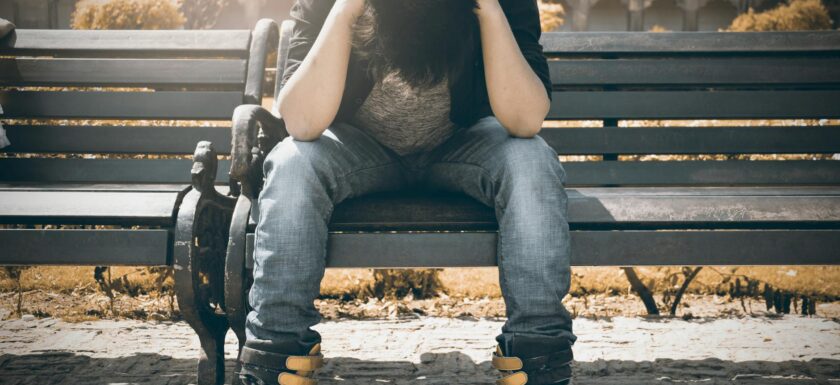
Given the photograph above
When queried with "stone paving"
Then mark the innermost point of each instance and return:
(789, 350)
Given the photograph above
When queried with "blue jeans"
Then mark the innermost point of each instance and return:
(522, 179)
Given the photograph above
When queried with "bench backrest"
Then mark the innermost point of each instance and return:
(732, 82)
(68, 92)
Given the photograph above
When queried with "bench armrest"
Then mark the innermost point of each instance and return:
(255, 132)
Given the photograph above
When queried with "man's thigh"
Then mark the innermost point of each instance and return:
(478, 158)
(345, 161)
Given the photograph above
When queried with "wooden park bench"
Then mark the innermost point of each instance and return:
(621, 211)
(70, 93)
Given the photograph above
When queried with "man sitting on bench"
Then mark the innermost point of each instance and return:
(382, 95)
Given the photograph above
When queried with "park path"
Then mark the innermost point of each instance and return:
(788, 350)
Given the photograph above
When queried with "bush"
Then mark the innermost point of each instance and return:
(797, 15)
(127, 14)
(551, 14)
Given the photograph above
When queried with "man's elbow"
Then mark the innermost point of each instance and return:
(525, 124)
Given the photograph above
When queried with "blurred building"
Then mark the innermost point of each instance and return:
(581, 15)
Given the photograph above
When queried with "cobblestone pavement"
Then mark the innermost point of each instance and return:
(790, 350)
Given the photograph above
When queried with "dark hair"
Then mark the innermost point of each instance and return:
(421, 40)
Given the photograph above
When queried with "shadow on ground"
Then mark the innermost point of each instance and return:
(436, 369)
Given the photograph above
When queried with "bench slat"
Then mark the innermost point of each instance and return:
(763, 72)
(710, 173)
(689, 42)
(694, 104)
(589, 248)
(613, 208)
(120, 105)
(121, 72)
(114, 139)
(85, 247)
(88, 207)
(115, 43)
(693, 140)
(566, 141)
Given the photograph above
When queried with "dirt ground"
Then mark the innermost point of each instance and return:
(434, 350)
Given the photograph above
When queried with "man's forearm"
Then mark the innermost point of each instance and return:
(310, 99)
(517, 96)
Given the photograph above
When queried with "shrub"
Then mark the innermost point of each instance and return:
(797, 15)
(127, 14)
(551, 14)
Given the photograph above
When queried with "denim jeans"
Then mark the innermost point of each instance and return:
(522, 179)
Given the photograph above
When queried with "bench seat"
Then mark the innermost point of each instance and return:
(604, 209)
(90, 204)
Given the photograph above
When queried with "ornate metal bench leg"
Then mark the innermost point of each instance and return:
(200, 245)
(236, 277)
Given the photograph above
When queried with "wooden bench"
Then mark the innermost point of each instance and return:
(622, 211)
(69, 92)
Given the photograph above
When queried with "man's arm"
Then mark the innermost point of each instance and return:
(311, 96)
(519, 97)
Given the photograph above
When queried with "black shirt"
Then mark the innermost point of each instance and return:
(470, 101)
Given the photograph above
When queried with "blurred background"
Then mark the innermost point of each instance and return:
(572, 15)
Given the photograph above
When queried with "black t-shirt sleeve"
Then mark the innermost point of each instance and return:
(309, 17)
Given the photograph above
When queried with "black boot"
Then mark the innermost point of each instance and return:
(532, 361)
(272, 364)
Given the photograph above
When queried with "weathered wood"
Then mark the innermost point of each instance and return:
(52, 170)
(608, 208)
(693, 140)
(85, 247)
(762, 72)
(689, 42)
(120, 105)
(114, 139)
(114, 43)
(88, 207)
(699, 173)
(778, 104)
(566, 141)
(122, 72)
(590, 248)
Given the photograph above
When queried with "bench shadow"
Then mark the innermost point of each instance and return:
(435, 369)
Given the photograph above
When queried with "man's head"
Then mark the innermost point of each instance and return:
(422, 40)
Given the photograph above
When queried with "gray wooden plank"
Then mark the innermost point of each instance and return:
(590, 248)
(85, 247)
(112, 43)
(709, 173)
(588, 208)
(704, 71)
(689, 42)
(778, 104)
(693, 140)
(610, 173)
(122, 72)
(566, 141)
(88, 207)
(115, 171)
(81, 187)
(120, 105)
(114, 139)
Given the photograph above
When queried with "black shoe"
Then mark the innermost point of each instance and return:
(529, 360)
(261, 367)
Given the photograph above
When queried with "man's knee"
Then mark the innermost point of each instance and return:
(298, 161)
(530, 160)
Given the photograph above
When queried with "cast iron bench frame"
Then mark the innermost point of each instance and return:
(137, 211)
